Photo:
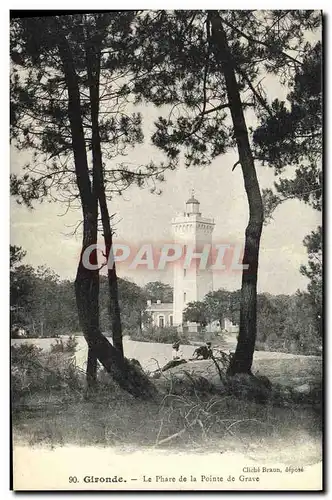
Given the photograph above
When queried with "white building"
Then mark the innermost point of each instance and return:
(193, 278)
(161, 313)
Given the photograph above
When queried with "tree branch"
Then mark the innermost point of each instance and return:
(259, 98)
(212, 110)
(261, 42)
(235, 164)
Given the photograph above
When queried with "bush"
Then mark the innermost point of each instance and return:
(36, 372)
(166, 335)
(65, 347)
(24, 352)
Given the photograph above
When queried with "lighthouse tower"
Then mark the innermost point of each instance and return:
(191, 282)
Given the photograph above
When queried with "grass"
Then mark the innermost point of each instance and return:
(182, 423)
(195, 421)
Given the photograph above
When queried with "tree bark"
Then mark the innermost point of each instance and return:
(91, 370)
(87, 281)
(93, 65)
(242, 360)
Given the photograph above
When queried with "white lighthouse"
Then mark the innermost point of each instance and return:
(193, 277)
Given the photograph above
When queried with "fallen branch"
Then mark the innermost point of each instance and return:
(218, 368)
(159, 432)
(177, 434)
(244, 420)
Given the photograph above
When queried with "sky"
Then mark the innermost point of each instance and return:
(46, 233)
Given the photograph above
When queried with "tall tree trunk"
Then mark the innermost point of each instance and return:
(93, 65)
(87, 281)
(126, 374)
(242, 360)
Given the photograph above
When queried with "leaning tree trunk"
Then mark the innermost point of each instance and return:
(93, 65)
(242, 360)
(127, 375)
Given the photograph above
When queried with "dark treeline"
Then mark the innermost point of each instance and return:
(288, 323)
(45, 305)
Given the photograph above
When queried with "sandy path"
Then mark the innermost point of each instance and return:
(281, 367)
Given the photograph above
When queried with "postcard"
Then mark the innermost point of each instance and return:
(166, 250)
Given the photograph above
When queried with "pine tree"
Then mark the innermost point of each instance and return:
(208, 68)
(65, 69)
(293, 137)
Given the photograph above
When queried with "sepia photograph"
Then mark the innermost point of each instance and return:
(166, 267)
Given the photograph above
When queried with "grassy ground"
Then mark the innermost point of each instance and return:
(180, 423)
(291, 372)
(196, 422)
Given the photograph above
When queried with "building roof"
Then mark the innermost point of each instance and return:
(193, 200)
(164, 306)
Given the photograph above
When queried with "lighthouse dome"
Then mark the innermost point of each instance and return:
(192, 200)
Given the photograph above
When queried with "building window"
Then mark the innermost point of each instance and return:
(171, 320)
(161, 321)
(184, 297)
